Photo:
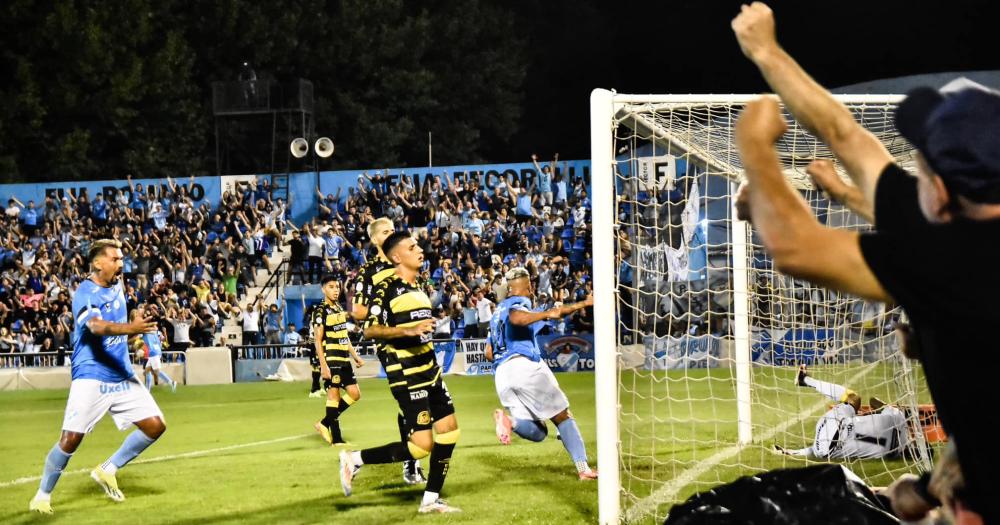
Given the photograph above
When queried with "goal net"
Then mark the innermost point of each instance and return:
(708, 336)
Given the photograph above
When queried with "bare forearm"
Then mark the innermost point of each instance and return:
(854, 199)
(101, 327)
(378, 331)
(811, 105)
(779, 214)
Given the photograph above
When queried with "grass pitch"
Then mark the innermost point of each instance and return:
(247, 453)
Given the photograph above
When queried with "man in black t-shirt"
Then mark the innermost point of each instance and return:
(934, 250)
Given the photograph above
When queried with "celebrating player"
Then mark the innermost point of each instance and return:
(524, 383)
(102, 378)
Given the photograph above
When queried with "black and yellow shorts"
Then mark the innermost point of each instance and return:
(340, 376)
(423, 406)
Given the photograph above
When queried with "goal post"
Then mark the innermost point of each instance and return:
(698, 338)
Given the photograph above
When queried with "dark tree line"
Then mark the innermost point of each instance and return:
(101, 89)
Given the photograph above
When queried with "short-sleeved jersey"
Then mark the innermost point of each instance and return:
(336, 343)
(371, 274)
(95, 357)
(509, 340)
(153, 344)
(397, 303)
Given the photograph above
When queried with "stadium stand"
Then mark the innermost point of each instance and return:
(207, 268)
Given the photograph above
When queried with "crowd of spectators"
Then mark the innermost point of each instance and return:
(194, 260)
(190, 259)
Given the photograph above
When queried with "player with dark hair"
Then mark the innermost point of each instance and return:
(102, 378)
(334, 352)
(402, 318)
(372, 273)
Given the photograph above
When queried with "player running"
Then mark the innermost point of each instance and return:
(526, 386)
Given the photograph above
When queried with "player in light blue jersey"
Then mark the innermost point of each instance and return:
(102, 378)
(153, 344)
(525, 384)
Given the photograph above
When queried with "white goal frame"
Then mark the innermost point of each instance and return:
(604, 106)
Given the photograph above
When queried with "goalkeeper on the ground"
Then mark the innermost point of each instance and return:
(842, 433)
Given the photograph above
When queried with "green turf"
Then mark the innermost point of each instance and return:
(672, 422)
(292, 481)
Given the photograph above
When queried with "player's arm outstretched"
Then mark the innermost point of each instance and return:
(524, 318)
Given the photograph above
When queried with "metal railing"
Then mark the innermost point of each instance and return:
(364, 347)
(58, 359)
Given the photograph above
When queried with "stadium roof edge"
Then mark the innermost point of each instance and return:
(906, 83)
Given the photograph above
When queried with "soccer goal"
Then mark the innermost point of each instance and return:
(696, 376)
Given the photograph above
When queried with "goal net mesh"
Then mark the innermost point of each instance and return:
(675, 171)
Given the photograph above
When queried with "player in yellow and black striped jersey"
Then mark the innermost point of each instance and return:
(333, 346)
(401, 318)
(372, 273)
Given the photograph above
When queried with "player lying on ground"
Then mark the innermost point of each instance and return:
(401, 317)
(335, 352)
(525, 384)
(102, 378)
(843, 434)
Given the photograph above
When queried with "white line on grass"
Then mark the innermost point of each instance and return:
(670, 489)
(192, 454)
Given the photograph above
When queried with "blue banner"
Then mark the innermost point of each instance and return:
(789, 347)
(204, 189)
(681, 353)
(568, 353)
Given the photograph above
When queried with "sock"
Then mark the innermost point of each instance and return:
(429, 497)
(573, 441)
(390, 453)
(165, 377)
(331, 413)
(55, 462)
(404, 437)
(404, 433)
(530, 430)
(830, 390)
(332, 420)
(149, 380)
(444, 445)
(133, 445)
(345, 402)
(315, 383)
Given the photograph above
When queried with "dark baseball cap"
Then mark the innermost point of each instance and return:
(957, 129)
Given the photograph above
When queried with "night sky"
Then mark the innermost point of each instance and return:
(688, 47)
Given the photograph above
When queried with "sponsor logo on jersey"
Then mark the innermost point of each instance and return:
(418, 394)
(420, 314)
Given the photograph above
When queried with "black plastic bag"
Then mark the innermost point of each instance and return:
(822, 494)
